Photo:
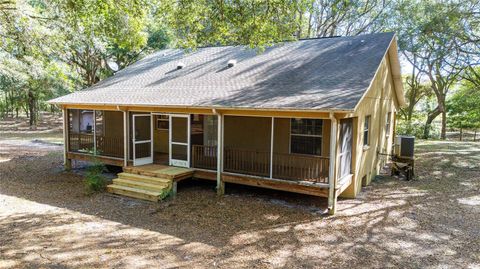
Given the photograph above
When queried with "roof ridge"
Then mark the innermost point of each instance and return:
(284, 41)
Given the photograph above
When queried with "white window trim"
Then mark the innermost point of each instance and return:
(388, 124)
(367, 119)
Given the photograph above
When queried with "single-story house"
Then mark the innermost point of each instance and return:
(309, 116)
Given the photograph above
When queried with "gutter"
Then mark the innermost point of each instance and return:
(328, 110)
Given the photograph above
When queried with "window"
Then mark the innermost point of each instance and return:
(366, 138)
(162, 122)
(306, 136)
(387, 124)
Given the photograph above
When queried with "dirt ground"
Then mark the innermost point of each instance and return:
(46, 220)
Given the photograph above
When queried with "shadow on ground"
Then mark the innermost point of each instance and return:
(46, 220)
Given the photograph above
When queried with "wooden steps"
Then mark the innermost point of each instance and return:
(148, 182)
(134, 192)
(141, 187)
(141, 184)
(146, 179)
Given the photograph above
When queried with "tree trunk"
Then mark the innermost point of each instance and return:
(31, 107)
(461, 134)
(443, 134)
(431, 116)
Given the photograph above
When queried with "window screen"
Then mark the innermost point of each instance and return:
(306, 136)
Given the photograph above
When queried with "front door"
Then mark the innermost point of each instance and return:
(179, 140)
(142, 139)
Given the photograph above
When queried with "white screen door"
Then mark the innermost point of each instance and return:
(179, 144)
(142, 139)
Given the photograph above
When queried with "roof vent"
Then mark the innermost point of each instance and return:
(180, 65)
(231, 63)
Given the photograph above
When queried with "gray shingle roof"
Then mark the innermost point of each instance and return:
(317, 74)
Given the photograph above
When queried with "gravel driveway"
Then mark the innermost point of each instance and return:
(46, 220)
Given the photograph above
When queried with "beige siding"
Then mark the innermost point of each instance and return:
(247, 133)
(160, 138)
(378, 101)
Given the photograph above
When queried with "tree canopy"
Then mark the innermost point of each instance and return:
(464, 107)
(50, 47)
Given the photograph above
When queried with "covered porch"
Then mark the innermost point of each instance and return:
(270, 148)
(278, 152)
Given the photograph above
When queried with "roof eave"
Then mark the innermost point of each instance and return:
(392, 53)
(326, 110)
(396, 72)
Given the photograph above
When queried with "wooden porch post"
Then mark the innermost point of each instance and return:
(66, 162)
(94, 133)
(220, 183)
(332, 195)
(125, 139)
(271, 147)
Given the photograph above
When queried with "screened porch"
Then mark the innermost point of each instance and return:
(95, 132)
(277, 148)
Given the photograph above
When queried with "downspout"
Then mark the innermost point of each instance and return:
(332, 199)
(220, 184)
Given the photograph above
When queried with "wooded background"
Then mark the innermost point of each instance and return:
(52, 47)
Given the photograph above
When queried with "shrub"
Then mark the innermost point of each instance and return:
(410, 128)
(94, 179)
(416, 129)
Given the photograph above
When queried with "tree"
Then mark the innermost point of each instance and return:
(95, 32)
(429, 39)
(464, 109)
(50, 47)
(415, 91)
(263, 23)
(27, 68)
(255, 23)
(342, 17)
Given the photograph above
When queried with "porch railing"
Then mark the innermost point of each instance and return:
(248, 162)
(110, 146)
(296, 167)
(80, 142)
(204, 157)
(106, 146)
(300, 167)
